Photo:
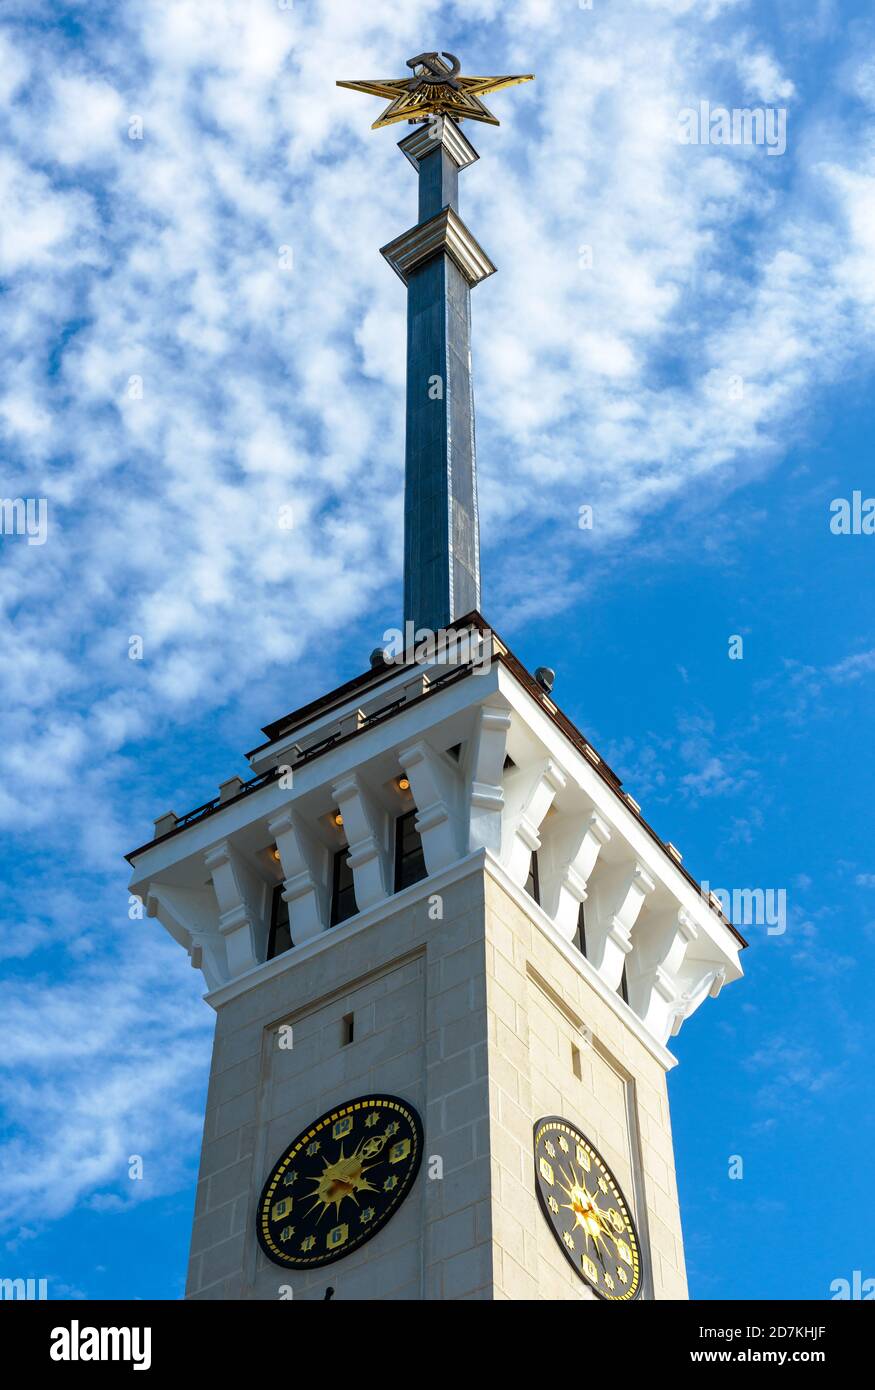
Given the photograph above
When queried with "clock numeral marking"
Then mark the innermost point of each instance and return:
(546, 1171)
(338, 1236)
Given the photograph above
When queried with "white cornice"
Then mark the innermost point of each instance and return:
(335, 936)
(612, 808)
(480, 861)
(579, 962)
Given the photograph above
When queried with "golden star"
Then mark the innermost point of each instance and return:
(435, 89)
(345, 1177)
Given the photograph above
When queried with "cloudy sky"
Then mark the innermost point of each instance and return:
(200, 340)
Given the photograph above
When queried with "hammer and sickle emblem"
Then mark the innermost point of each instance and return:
(435, 76)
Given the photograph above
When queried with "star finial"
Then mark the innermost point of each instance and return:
(435, 89)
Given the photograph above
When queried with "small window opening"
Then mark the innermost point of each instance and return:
(580, 934)
(623, 990)
(343, 903)
(409, 856)
(280, 938)
(533, 887)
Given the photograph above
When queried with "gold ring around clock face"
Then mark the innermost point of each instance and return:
(339, 1182)
(586, 1210)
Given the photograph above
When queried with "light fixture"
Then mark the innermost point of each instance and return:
(545, 676)
(337, 818)
(276, 854)
(404, 784)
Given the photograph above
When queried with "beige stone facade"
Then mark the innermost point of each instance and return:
(469, 1005)
(557, 1048)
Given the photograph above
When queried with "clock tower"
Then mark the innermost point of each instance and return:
(445, 949)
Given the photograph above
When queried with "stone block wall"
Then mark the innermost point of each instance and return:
(463, 1006)
(415, 987)
(557, 1048)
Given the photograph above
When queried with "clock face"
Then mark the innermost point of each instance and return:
(586, 1210)
(342, 1179)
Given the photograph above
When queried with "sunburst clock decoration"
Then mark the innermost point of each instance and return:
(436, 88)
(586, 1211)
(339, 1182)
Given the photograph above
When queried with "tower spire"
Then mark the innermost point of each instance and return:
(440, 262)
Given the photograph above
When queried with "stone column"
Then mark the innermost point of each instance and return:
(363, 823)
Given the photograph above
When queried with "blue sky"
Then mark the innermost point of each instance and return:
(156, 261)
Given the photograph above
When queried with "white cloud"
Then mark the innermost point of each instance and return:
(763, 79)
(93, 1073)
(39, 222)
(862, 80)
(853, 668)
(14, 69)
(86, 120)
